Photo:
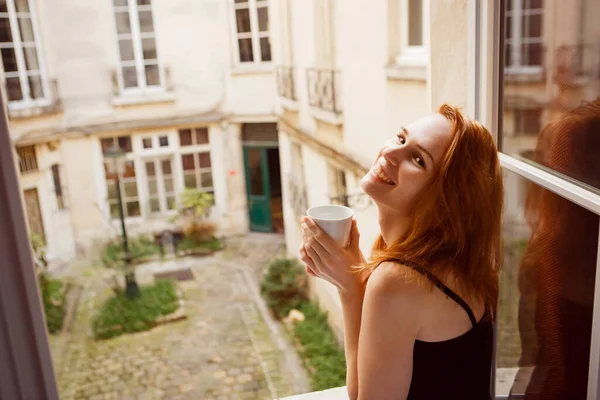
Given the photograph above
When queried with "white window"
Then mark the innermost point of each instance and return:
(139, 69)
(195, 159)
(524, 51)
(252, 31)
(127, 179)
(414, 32)
(161, 185)
(21, 57)
(528, 122)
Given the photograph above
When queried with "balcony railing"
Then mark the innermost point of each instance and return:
(574, 62)
(285, 82)
(323, 89)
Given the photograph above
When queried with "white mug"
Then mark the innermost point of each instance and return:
(334, 220)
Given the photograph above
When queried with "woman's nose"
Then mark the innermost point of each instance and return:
(392, 152)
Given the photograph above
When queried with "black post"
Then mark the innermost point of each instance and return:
(131, 287)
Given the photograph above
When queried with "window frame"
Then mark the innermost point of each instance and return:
(195, 149)
(22, 72)
(517, 40)
(413, 55)
(255, 35)
(138, 62)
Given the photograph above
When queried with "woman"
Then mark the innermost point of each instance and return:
(418, 316)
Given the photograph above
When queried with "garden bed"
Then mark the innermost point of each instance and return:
(157, 304)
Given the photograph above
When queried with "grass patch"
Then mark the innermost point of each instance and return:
(139, 247)
(119, 314)
(190, 243)
(53, 298)
(284, 287)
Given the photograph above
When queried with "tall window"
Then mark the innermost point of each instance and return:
(252, 27)
(127, 180)
(58, 189)
(27, 159)
(195, 159)
(524, 42)
(413, 34)
(139, 67)
(25, 77)
(338, 191)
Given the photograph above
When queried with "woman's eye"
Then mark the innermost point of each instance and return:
(401, 139)
(420, 161)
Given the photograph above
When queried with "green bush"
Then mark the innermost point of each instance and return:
(320, 350)
(119, 314)
(284, 286)
(190, 242)
(139, 247)
(53, 299)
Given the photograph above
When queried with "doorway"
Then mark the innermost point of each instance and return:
(263, 177)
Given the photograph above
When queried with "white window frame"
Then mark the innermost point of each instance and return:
(194, 149)
(21, 73)
(254, 34)
(517, 41)
(136, 37)
(161, 191)
(413, 55)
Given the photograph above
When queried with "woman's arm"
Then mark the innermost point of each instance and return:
(388, 327)
(352, 304)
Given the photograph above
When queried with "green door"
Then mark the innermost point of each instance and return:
(258, 189)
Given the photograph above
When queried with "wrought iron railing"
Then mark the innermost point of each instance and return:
(285, 82)
(323, 89)
(356, 201)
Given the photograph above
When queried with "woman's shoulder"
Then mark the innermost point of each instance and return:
(398, 281)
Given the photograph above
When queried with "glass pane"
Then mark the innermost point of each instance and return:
(243, 20)
(133, 209)
(168, 185)
(36, 91)
(129, 77)
(111, 188)
(152, 77)
(263, 19)
(9, 60)
(188, 162)
(533, 4)
(154, 205)
(13, 88)
(241, 1)
(22, 6)
(534, 26)
(146, 23)
(123, 23)
(509, 5)
(120, 3)
(114, 210)
(31, 60)
(265, 49)
(163, 141)
(245, 50)
(508, 27)
(147, 143)
(171, 204)
(152, 187)
(3, 7)
(201, 136)
(126, 49)
(150, 170)
(26, 29)
(106, 144)
(185, 137)
(204, 160)
(143, 2)
(129, 170)
(166, 167)
(190, 181)
(415, 22)
(546, 292)
(5, 33)
(125, 143)
(130, 189)
(255, 171)
(149, 49)
(206, 179)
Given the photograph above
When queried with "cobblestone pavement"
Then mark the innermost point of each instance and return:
(227, 348)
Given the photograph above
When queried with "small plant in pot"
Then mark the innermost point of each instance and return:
(198, 230)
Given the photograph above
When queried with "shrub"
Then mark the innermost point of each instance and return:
(189, 243)
(196, 202)
(284, 286)
(139, 247)
(53, 299)
(119, 314)
(199, 230)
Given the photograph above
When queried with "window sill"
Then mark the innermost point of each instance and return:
(289, 104)
(253, 69)
(143, 98)
(519, 75)
(407, 72)
(329, 117)
(29, 110)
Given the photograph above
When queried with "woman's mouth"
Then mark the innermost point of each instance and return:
(378, 172)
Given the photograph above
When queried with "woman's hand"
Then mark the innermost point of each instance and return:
(325, 259)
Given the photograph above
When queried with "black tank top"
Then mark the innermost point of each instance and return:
(458, 368)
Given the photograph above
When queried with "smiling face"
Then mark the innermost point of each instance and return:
(406, 163)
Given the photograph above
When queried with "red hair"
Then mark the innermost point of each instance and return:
(457, 225)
